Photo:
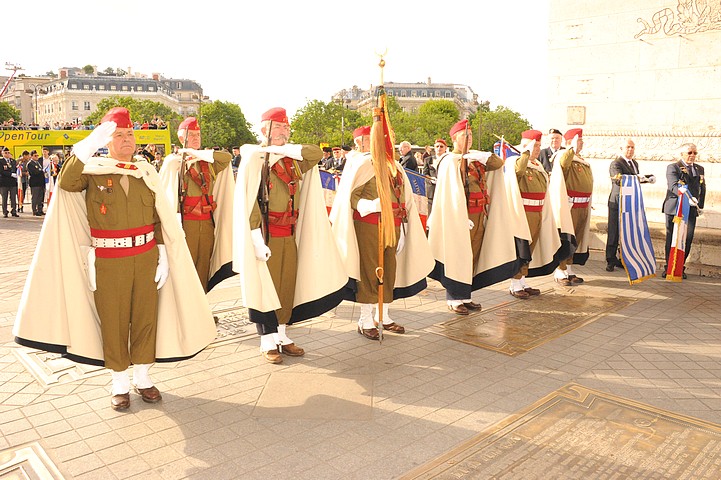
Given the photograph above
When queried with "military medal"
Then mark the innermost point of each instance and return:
(110, 182)
(103, 209)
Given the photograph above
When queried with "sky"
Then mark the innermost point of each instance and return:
(285, 53)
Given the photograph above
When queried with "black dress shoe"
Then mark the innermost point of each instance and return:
(532, 291)
(5, 215)
(575, 279)
(563, 282)
(619, 263)
(684, 275)
(610, 267)
(663, 274)
(459, 310)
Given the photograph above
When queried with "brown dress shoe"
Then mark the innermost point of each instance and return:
(459, 310)
(575, 280)
(369, 333)
(149, 395)
(520, 294)
(394, 327)
(532, 291)
(272, 356)
(292, 350)
(472, 305)
(563, 282)
(120, 402)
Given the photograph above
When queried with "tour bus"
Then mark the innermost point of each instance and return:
(62, 141)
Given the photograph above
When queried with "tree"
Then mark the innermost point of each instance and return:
(140, 111)
(109, 71)
(50, 73)
(320, 122)
(88, 69)
(434, 119)
(503, 122)
(223, 124)
(7, 112)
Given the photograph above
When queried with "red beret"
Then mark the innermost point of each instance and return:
(360, 131)
(440, 140)
(335, 149)
(119, 115)
(458, 127)
(532, 135)
(190, 123)
(572, 133)
(277, 114)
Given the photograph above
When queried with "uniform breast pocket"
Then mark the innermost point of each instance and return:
(102, 208)
(148, 207)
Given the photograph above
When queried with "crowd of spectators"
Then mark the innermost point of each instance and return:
(156, 123)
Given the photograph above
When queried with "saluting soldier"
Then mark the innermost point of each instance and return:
(283, 248)
(109, 244)
(575, 173)
(206, 200)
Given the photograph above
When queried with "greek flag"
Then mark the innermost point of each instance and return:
(636, 249)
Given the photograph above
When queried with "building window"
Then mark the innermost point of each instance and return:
(403, 93)
(178, 85)
(113, 87)
(86, 106)
(448, 94)
(86, 87)
(425, 93)
(74, 105)
(414, 93)
(124, 88)
(139, 88)
(101, 87)
(74, 86)
(151, 88)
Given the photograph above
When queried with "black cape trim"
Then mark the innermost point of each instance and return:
(301, 312)
(580, 258)
(63, 350)
(226, 271)
(456, 290)
(351, 289)
(496, 274)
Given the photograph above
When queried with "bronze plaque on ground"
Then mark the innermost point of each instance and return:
(521, 325)
(577, 432)
(28, 461)
(233, 325)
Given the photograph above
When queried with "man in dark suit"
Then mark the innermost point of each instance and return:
(545, 156)
(8, 182)
(682, 177)
(37, 183)
(623, 165)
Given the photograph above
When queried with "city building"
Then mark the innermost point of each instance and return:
(411, 96)
(73, 95)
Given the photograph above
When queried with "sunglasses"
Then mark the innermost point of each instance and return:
(693, 153)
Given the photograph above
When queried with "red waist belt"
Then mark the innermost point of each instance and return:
(579, 199)
(533, 201)
(477, 202)
(129, 242)
(196, 208)
(280, 224)
(399, 213)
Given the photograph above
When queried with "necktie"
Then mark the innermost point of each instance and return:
(632, 166)
(693, 170)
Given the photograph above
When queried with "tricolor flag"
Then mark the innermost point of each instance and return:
(418, 185)
(677, 254)
(329, 182)
(504, 152)
(636, 248)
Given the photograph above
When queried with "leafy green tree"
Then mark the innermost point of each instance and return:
(140, 111)
(502, 122)
(223, 124)
(50, 73)
(320, 122)
(88, 69)
(7, 112)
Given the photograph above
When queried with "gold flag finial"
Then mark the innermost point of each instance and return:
(382, 63)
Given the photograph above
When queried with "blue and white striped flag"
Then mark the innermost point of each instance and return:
(636, 248)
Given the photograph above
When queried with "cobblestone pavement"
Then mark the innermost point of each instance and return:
(373, 411)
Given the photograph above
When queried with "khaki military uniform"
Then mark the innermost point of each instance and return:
(283, 262)
(533, 183)
(126, 297)
(579, 184)
(197, 223)
(367, 235)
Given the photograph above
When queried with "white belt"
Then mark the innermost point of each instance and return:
(123, 242)
(579, 199)
(533, 203)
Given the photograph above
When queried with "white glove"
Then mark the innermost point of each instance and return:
(287, 150)
(92, 285)
(14, 175)
(401, 240)
(642, 178)
(173, 157)
(682, 189)
(100, 137)
(161, 273)
(574, 144)
(530, 146)
(471, 224)
(694, 201)
(476, 156)
(205, 155)
(651, 178)
(366, 207)
(262, 252)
